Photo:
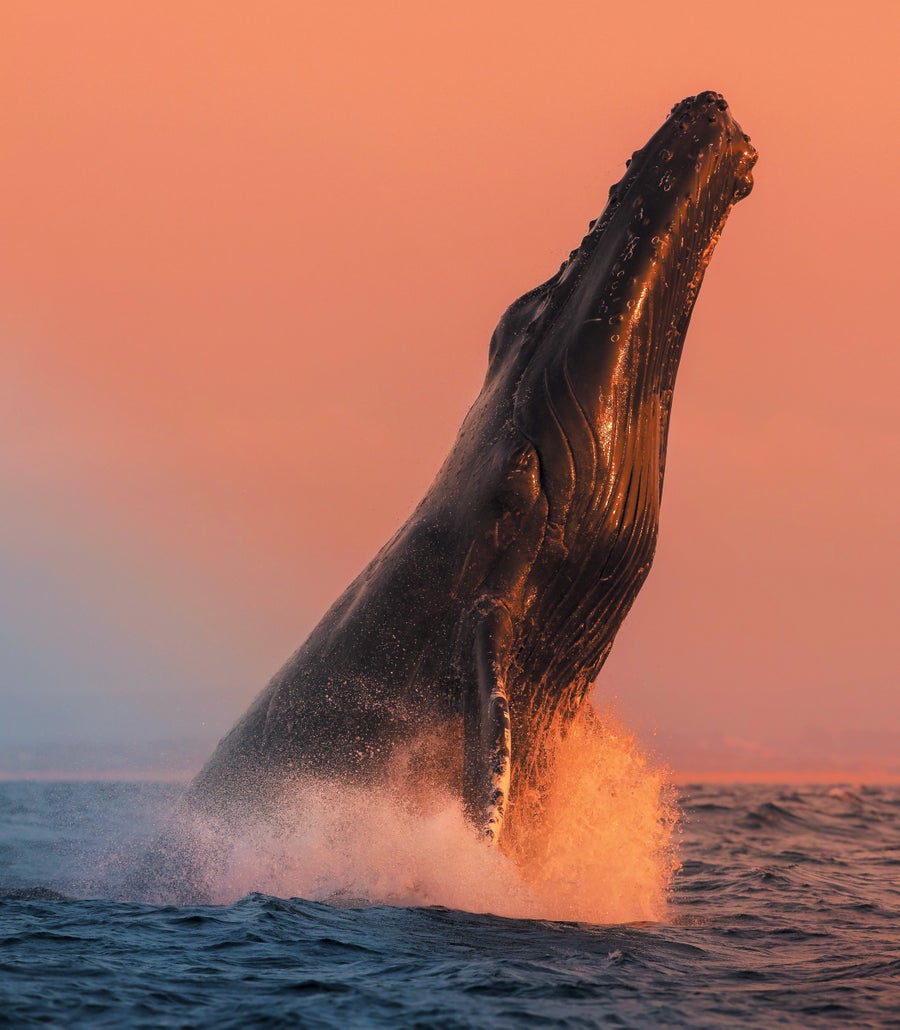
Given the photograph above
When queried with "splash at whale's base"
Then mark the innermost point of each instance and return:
(600, 848)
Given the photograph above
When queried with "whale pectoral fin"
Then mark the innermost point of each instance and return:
(498, 754)
(487, 758)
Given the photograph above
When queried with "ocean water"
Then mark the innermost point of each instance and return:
(770, 906)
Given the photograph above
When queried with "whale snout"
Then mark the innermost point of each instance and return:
(705, 120)
(624, 298)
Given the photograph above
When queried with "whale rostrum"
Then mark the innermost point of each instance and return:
(486, 618)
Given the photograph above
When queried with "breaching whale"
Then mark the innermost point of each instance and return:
(484, 621)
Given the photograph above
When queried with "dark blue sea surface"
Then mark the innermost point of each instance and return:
(786, 912)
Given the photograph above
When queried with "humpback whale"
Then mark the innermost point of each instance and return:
(486, 618)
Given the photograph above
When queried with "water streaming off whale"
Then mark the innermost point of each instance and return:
(603, 853)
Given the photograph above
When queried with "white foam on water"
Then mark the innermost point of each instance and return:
(601, 849)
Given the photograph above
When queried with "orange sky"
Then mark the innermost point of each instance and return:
(250, 260)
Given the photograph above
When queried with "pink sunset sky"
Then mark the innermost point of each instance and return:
(250, 260)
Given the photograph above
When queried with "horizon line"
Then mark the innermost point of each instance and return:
(679, 778)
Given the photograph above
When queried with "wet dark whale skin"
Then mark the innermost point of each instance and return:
(491, 611)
